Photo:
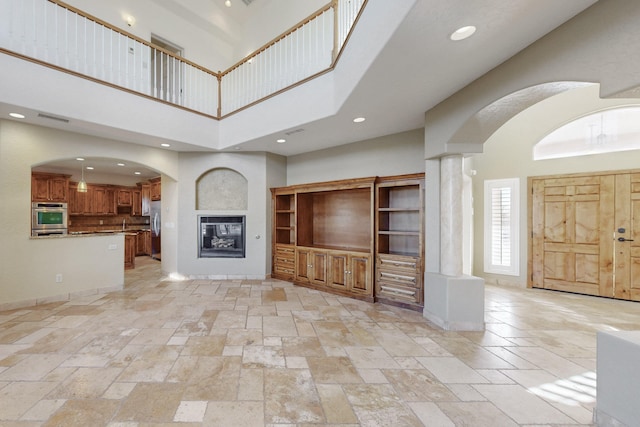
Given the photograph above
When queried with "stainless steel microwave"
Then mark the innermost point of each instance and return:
(48, 216)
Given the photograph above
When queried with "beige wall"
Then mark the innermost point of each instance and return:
(509, 154)
(396, 154)
(28, 267)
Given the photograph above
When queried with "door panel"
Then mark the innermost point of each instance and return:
(338, 278)
(303, 264)
(627, 228)
(319, 269)
(585, 234)
(360, 273)
(571, 234)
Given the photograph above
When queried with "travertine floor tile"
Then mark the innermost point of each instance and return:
(196, 353)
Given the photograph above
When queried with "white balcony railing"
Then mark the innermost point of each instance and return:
(58, 35)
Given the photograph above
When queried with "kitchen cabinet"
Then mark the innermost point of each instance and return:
(156, 188)
(129, 251)
(145, 192)
(99, 200)
(124, 197)
(143, 242)
(104, 199)
(81, 203)
(48, 187)
(136, 202)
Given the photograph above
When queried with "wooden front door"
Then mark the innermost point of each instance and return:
(582, 234)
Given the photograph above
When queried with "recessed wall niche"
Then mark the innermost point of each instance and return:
(221, 189)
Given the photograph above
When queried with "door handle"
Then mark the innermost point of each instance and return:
(622, 239)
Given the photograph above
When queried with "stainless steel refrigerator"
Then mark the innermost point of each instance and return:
(156, 228)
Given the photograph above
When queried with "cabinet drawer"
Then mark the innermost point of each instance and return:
(395, 277)
(399, 263)
(285, 262)
(284, 270)
(285, 252)
(398, 292)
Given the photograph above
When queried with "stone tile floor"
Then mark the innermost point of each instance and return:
(267, 353)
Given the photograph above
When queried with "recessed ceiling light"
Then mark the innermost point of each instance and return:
(359, 120)
(120, 164)
(166, 145)
(227, 3)
(137, 173)
(90, 168)
(281, 141)
(81, 159)
(17, 115)
(462, 33)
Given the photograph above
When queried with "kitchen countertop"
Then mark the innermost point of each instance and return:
(87, 234)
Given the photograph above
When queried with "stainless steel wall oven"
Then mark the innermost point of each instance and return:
(48, 218)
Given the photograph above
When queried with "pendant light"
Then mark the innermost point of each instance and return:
(82, 185)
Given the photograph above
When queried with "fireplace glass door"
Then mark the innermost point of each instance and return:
(222, 237)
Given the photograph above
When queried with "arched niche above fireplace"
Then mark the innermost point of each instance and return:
(222, 189)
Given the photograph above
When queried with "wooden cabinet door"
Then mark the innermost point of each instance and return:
(339, 272)
(59, 189)
(572, 225)
(136, 202)
(319, 268)
(124, 197)
(146, 200)
(360, 274)
(39, 188)
(303, 265)
(156, 190)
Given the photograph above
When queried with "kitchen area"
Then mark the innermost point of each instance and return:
(63, 208)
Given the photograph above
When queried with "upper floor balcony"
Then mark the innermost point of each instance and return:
(60, 36)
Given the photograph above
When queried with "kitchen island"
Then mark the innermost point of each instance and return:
(65, 266)
(129, 244)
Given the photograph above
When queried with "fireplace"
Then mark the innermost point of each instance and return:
(221, 236)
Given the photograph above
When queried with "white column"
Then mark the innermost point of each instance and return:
(451, 184)
(452, 300)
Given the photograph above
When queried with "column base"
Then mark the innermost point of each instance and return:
(454, 303)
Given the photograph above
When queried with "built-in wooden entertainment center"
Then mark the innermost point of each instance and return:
(358, 237)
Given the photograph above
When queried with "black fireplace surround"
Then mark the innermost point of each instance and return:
(221, 236)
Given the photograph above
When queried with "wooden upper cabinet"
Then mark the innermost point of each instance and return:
(156, 188)
(145, 192)
(136, 202)
(47, 187)
(125, 198)
(81, 203)
(104, 200)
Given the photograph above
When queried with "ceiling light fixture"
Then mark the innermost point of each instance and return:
(165, 145)
(227, 3)
(17, 115)
(130, 20)
(89, 168)
(359, 120)
(137, 173)
(82, 185)
(281, 141)
(120, 164)
(462, 33)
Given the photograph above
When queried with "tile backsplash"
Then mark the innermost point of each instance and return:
(100, 223)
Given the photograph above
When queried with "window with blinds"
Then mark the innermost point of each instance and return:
(501, 226)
